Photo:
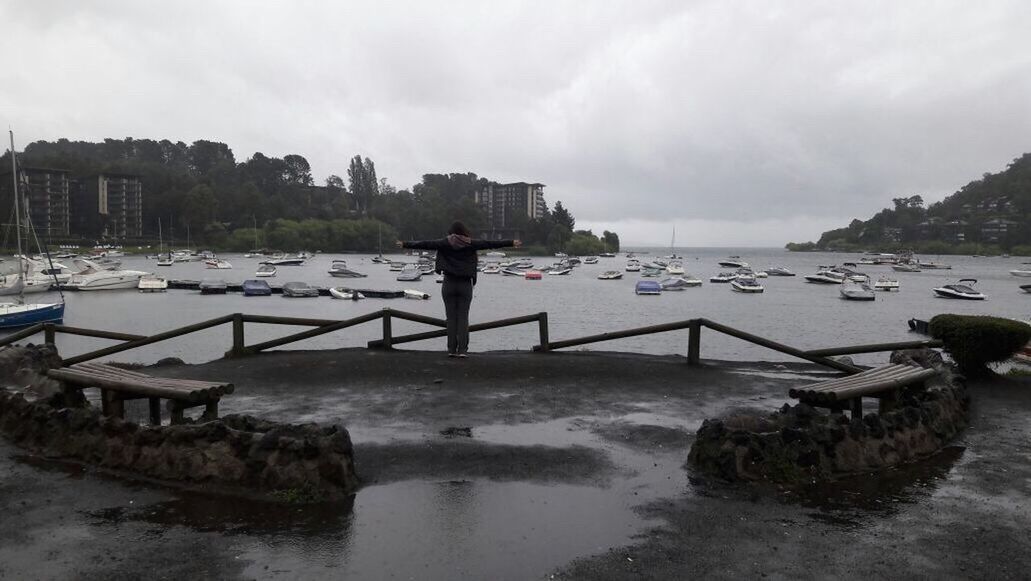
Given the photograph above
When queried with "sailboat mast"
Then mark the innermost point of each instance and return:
(17, 210)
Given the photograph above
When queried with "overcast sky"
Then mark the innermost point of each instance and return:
(742, 123)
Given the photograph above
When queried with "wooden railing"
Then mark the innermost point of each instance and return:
(386, 316)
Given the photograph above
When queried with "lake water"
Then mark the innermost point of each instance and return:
(791, 311)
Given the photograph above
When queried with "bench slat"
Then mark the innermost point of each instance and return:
(127, 386)
(162, 381)
(117, 371)
(834, 385)
(869, 382)
(876, 372)
(861, 390)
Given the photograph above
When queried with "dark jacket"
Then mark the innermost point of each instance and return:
(456, 255)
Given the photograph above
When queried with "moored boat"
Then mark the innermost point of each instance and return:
(339, 269)
(723, 277)
(266, 271)
(905, 267)
(610, 275)
(733, 262)
(416, 294)
(299, 290)
(746, 284)
(212, 287)
(218, 264)
(533, 275)
(256, 288)
(827, 277)
(345, 294)
(960, 290)
(856, 291)
(410, 273)
(647, 287)
(886, 283)
(678, 283)
(152, 284)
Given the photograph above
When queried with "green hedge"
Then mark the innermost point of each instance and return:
(975, 341)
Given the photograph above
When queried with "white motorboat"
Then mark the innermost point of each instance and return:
(1021, 272)
(633, 265)
(886, 283)
(285, 261)
(590, 260)
(496, 253)
(827, 277)
(677, 283)
(339, 269)
(650, 272)
(166, 260)
(265, 271)
(960, 290)
(218, 263)
(152, 284)
(675, 268)
(723, 277)
(92, 278)
(299, 290)
(345, 294)
(610, 275)
(561, 255)
(856, 291)
(410, 273)
(733, 262)
(492, 268)
(779, 271)
(416, 294)
(933, 265)
(746, 284)
(559, 270)
(905, 267)
(397, 266)
(607, 255)
(511, 271)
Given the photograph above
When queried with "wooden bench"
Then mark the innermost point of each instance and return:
(883, 383)
(117, 385)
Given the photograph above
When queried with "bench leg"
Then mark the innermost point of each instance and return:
(116, 405)
(177, 413)
(857, 408)
(155, 410)
(210, 411)
(888, 401)
(105, 402)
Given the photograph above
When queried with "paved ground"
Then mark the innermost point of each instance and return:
(574, 468)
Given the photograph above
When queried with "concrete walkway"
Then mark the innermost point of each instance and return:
(572, 466)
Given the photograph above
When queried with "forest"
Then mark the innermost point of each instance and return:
(271, 202)
(991, 215)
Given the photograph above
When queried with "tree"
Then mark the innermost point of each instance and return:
(611, 240)
(298, 170)
(563, 217)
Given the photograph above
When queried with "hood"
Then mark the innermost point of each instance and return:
(457, 241)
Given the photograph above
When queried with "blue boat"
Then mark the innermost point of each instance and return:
(648, 287)
(256, 288)
(14, 315)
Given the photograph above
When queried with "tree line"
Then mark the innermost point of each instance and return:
(275, 202)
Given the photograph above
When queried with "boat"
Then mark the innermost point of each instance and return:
(561, 255)
(779, 271)
(1021, 272)
(960, 290)
(647, 287)
(723, 277)
(152, 284)
(1026, 288)
(650, 272)
(559, 270)
(492, 268)
(610, 275)
(426, 268)
(856, 291)
(633, 265)
(510, 271)
(746, 284)
(380, 260)
(164, 258)
(265, 271)
(339, 269)
(905, 267)
(886, 283)
(284, 261)
(675, 267)
(733, 262)
(256, 287)
(590, 260)
(345, 294)
(92, 278)
(299, 290)
(496, 253)
(533, 275)
(607, 255)
(932, 265)
(416, 294)
(677, 283)
(410, 273)
(829, 276)
(19, 313)
(375, 293)
(212, 286)
(218, 263)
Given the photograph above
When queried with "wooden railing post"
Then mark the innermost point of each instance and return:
(239, 347)
(694, 342)
(388, 335)
(49, 334)
(542, 327)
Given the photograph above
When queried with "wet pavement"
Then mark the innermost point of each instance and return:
(528, 466)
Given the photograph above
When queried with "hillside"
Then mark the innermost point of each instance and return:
(989, 215)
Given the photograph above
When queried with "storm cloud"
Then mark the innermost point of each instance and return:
(743, 123)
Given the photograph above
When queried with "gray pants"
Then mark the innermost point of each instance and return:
(458, 295)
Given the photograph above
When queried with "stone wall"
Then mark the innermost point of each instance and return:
(295, 462)
(800, 443)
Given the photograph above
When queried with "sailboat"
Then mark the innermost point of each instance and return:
(379, 258)
(163, 259)
(672, 244)
(20, 313)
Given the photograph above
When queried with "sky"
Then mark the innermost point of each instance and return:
(737, 123)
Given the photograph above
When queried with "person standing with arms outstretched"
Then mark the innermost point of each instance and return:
(456, 260)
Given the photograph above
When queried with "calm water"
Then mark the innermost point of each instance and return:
(791, 311)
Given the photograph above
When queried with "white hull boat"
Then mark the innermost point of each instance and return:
(723, 277)
(218, 264)
(152, 284)
(265, 271)
(857, 291)
(345, 294)
(107, 280)
(610, 275)
(416, 295)
(748, 285)
(960, 291)
(886, 284)
(1020, 272)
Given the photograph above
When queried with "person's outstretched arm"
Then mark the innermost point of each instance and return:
(423, 244)
(485, 244)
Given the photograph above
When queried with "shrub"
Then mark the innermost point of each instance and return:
(975, 341)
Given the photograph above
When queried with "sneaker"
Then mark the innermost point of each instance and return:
(462, 355)
(453, 355)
